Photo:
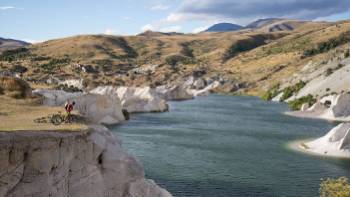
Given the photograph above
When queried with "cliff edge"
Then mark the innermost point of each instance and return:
(88, 163)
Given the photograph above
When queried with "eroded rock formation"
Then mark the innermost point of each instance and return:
(77, 164)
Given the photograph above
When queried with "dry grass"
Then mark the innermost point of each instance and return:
(19, 115)
(260, 67)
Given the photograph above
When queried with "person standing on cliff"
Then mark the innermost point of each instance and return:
(69, 108)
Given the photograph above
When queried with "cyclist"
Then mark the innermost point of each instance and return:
(69, 108)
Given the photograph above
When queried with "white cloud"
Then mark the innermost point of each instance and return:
(148, 27)
(110, 32)
(176, 28)
(200, 29)
(159, 7)
(7, 7)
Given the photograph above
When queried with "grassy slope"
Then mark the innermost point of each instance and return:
(18, 115)
(261, 67)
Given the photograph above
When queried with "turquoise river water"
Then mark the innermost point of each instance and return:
(229, 146)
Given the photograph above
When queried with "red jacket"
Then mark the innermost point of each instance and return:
(69, 107)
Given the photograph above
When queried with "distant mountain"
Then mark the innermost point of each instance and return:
(262, 22)
(7, 44)
(276, 24)
(223, 27)
(156, 33)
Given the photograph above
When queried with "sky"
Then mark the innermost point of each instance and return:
(39, 20)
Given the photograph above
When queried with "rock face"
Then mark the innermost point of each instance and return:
(99, 109)
(134, 99)
(173, 93)
(76, 164)
(77, 83)
(56, 97)
(335, 143)
(333, 107)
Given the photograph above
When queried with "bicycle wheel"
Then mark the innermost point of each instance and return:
(56, 119)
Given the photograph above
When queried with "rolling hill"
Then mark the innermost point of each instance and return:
(257, 59)
(7, 44)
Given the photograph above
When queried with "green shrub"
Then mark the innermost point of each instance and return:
(14, 54)
(335, 187)
(242, 46)
(67, 88)
(297, 103)
(291, 90)
(327, 45)
(173, 60)
(18, 69)
(54, 64)
(270, 94)
(186, 50)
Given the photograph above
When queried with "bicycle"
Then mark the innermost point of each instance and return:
(55, 119)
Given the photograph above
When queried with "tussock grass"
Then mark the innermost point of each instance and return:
(15, 87)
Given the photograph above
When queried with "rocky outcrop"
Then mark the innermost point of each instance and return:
(176, 92)
(206, 90)
(77, 164)
(77, 83)
(335, 143)
(135, 99)
(333, 107)
(56, 97)
(98, 109)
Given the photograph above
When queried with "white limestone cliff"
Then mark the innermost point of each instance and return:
(135, 99)
(77, 164)
(335, 143)
(98, 109)
(333, 107)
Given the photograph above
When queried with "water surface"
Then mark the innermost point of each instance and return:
(229, 146)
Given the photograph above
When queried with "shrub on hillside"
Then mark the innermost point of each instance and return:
(54, 64)
(297, 103)
(327, 45)
(291, 90)
(15, 87)
(186, 50)
(18, 69)
(14, 54)
(173, 60)
(335, 187)
(67, 88)
(242, 46)
(270, 94)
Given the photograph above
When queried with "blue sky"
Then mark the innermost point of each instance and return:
(38, 20)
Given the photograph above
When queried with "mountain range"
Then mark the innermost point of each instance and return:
(267, 25)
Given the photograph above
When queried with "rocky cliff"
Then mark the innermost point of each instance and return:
(88, 164)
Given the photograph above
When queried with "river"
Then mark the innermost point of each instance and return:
(229, 146)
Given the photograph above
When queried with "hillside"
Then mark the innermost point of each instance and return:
(7, 44)
(256, 59)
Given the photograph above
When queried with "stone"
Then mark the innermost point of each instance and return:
(78, 164)
(100, 109)
(135, 99)
(335, 143)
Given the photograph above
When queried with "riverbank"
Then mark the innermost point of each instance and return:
(300, 146)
